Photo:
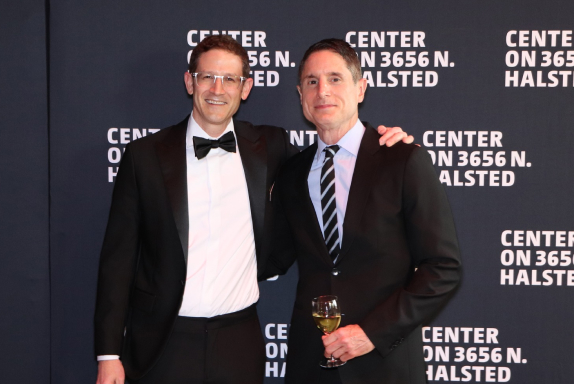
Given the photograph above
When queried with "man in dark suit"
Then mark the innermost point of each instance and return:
(366, 223)
(187, 237)
(177, 285)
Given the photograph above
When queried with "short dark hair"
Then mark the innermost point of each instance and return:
(338, 46)
(223, 42)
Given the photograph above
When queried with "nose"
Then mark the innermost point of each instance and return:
(323, 88)
(217, 86)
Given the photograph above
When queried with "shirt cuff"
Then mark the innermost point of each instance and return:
(108, 357)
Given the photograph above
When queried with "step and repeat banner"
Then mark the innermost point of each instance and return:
(487, 87)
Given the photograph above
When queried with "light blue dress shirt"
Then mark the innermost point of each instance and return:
(344, 162)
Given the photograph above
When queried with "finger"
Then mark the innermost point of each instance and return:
(391, 133)
(346, 357)
(339, 352)
(385, 134)
(334, 351)
(329, 339)
(409, 139)
(393, 130)
(331, 348)
(381, 129)
(395, 138)
(383, 139)
(339, 346)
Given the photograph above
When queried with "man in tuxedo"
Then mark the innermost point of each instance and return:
(187, 237)
(369, 224)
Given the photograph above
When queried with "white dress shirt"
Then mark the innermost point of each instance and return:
(221, 263)
(344, 162)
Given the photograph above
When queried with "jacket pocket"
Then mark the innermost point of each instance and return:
(143, 300)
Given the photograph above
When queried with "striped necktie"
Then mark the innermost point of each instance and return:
(329, 204)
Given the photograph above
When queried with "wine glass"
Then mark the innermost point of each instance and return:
(327, 316)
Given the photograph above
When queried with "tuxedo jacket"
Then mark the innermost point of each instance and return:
(143, 260)
(399, 260)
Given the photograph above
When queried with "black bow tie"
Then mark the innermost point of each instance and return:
(203, 146)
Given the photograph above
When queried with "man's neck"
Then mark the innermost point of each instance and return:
(332, 135)
(212, 130)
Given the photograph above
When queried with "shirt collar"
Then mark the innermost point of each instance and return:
(193, 129)
(350, 142)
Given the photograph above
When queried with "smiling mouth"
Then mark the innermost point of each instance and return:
(215, 102)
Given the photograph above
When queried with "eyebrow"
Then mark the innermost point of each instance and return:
(214, 73)
(311, 75)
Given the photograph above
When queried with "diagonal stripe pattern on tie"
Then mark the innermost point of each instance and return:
(329, 204)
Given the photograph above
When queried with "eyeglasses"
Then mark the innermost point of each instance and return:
(206, 79)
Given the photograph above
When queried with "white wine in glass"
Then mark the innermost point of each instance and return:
(327, 316)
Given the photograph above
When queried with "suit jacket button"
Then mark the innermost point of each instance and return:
(182, 282)
(335, 272)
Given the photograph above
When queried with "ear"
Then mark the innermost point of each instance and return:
(300, 94)
(247, 85)
(361, 89)
(188, 79)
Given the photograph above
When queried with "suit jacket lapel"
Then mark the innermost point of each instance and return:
(173, 163)
(253, 151)
(361, 186)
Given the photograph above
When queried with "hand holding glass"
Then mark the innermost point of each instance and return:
(327, 316)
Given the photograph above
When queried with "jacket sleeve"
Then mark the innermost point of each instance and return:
(433, 247)
(282, 254)
(117, 261)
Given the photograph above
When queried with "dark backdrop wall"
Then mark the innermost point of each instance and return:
(24, 203)
(486, 86)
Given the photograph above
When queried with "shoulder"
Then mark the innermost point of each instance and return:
(401, 149)
(300, 161)
(370, 145)
(400, 159)
(276, 138)
(410, 152)
(172, 135)
(407, 159)
(305, 155)
(269, 131)
(413, 163)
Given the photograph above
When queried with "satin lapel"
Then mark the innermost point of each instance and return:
(253, 151)
(173, 163)
(361, 186)
(308, 216)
